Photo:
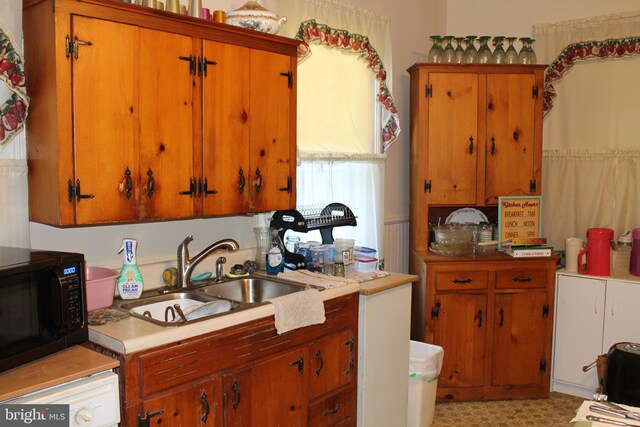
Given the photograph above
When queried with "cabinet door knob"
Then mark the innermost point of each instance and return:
(470, 145)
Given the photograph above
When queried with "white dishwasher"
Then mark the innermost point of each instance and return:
(93, 401)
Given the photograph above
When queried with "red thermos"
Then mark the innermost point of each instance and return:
(597, 252)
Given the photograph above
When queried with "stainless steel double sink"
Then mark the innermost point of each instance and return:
(206, 299)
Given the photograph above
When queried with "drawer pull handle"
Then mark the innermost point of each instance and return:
(333, 411)
(320, 361)
(236, 394)
(479, 318)
(501, 322)
(462, 282)
(521, 279)
(207, 409)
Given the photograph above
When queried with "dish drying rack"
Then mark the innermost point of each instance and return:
(307, 218)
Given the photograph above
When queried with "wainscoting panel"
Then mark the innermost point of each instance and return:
(396, 245)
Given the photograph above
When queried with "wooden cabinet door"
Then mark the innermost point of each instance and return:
(191, 407)
(167, 124)
(105, 119)
(226, 129)
(332, 363)
(519, 328)
(578, 328)
(510, 136)
(621, 314)
(452, 160)
(272, 161)
(460, 329)
(270, 393)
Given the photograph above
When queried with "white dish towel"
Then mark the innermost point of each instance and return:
(298, 309)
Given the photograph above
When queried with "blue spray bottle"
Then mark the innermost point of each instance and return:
(130, 282)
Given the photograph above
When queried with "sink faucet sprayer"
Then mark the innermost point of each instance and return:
(186, 265)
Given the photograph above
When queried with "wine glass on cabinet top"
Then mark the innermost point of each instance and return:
(436, 53)
(498, 50)
(511, 54)
(484, 52)
(449, 52)
(470, 52)
(459, 52)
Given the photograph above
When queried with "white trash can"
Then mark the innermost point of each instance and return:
(425, 363)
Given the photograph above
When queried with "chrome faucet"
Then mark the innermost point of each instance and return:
(219, 273)
(186, 265)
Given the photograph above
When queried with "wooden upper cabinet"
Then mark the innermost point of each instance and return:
(168, 118)
(476, 132)
(272, 157)
(141, 115)
(226, 128)
(511, 136)
(452, 162)
(105, 117)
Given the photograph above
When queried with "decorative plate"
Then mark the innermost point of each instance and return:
(465, 215)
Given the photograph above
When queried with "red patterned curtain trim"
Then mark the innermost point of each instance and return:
(611, 48)
(13, 111)
(310, 31)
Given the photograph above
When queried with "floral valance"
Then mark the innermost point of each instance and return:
(312, 32)
(611, 48)
(13, 95)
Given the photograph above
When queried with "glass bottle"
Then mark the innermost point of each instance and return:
(459, 53)
(449, 51)
(436, 53)
(470, 52)
(511, 54)
(498, 51)
(484, 53)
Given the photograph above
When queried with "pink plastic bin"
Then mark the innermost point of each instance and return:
(101, 286)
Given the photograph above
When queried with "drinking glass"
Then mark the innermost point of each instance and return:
(470, 52)
(436, 53)
(449, 51)
(526, 55)
(511, 55)
(484, 53)
(498, 52)
(459, 53)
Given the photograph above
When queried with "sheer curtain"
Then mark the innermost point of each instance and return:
(14, 204)
(591, 172)
(339, 139)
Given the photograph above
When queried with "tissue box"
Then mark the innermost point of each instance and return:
(100, 287)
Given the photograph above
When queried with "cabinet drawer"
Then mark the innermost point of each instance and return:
(461, 280)
(330, 411)
(522, 278)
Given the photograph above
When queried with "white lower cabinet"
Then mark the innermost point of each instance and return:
(592, 314)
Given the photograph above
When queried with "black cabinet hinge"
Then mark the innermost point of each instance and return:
(435, 311)
(543, 365)
(289, 76)
(534, 92)
(429, 91)
(75, 193)
(545, 310)
(146, 420)
(533, 186)
(427, 186)
(289, 186)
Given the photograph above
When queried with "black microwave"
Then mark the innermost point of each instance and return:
(42, 304)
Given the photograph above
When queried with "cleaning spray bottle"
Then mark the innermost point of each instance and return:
(130, 281)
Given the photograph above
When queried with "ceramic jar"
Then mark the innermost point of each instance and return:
(252, 15)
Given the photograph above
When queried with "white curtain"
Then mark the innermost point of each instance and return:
(591, 175)
(14, 201)
(340, 168)
(355, 180)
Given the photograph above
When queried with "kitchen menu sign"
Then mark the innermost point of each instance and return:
(519, 217)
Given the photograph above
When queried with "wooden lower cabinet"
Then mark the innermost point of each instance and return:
(493, 316)
(248, 375)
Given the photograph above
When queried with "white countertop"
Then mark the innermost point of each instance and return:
(132, 335)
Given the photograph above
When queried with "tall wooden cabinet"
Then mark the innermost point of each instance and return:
(476, 135)
(140, 114)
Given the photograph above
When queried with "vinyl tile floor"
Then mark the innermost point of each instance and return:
(557, 410)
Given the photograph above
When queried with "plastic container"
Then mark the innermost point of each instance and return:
(621, 256)
(366, 264)
(425, 363)
(344, 250)
(100, 286)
